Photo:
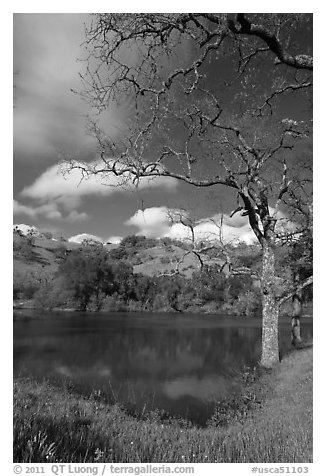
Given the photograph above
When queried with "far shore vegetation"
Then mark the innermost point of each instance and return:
(138, 275)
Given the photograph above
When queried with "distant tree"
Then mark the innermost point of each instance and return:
(25, 287)
(118, 254)
(207, 112)
(172, 289)
(89, 275)
(132, 241)
(124, 280)
(209, 285)
(17, 230)
(130, 246)
(47, 234)
(145, 290)
(135, 243)
(89, 242)
(52, 294)
(299, 258)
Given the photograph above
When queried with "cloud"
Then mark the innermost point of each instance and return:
(152, 222)
(84, 236)
(211, 229)
(18, 208)
(157, 222)
(47, 210)
(57, 195)
(52, 184)
(114, 240)
(48, 117)
(76, 216)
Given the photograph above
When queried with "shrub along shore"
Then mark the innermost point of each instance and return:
(140, 275)
(271, 421)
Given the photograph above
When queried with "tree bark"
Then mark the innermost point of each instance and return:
(295, 321)
(270, 351)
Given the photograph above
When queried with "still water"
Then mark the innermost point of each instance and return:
(182, 364)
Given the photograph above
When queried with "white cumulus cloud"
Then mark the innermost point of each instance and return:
(18, 208)
(84, 236)
(56, 194)
(156, 222)
(52, 184)
(152, 222)
(48, 210)
(74, 216)
(115, 240)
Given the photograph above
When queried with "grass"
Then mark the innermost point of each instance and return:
(53, 425)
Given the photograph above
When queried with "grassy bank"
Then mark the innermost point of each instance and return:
(56, 426)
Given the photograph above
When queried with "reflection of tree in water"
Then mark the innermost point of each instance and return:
(166, 351)
(179, 366)
(137, 352)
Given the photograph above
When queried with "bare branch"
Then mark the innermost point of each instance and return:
(278, 92)
(243, 26)
(294, 290)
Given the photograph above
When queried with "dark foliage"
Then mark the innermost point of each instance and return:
(93, 278)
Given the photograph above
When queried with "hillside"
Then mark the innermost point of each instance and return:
(36, 259)
(31, 256)
(160, 260)
(141, 274)
(43, 255)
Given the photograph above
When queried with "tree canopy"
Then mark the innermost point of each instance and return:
(211, 100)
(204, 100)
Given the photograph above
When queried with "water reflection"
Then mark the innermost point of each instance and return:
(182, 364)
(207, 389)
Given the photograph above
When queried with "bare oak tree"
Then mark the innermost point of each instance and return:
(204, 100)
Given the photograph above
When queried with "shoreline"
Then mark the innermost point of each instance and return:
(23, 307)
(271, 421)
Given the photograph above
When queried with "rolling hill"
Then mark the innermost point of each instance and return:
(42, 257)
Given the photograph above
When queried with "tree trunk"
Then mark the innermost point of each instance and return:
(270, 352)
(295, 321)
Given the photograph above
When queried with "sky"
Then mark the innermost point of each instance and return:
(50, 123)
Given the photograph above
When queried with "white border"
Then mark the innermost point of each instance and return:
(6, 192)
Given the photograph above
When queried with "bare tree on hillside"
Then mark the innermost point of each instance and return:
(203, 94)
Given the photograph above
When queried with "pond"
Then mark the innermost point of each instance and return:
(183, 364)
